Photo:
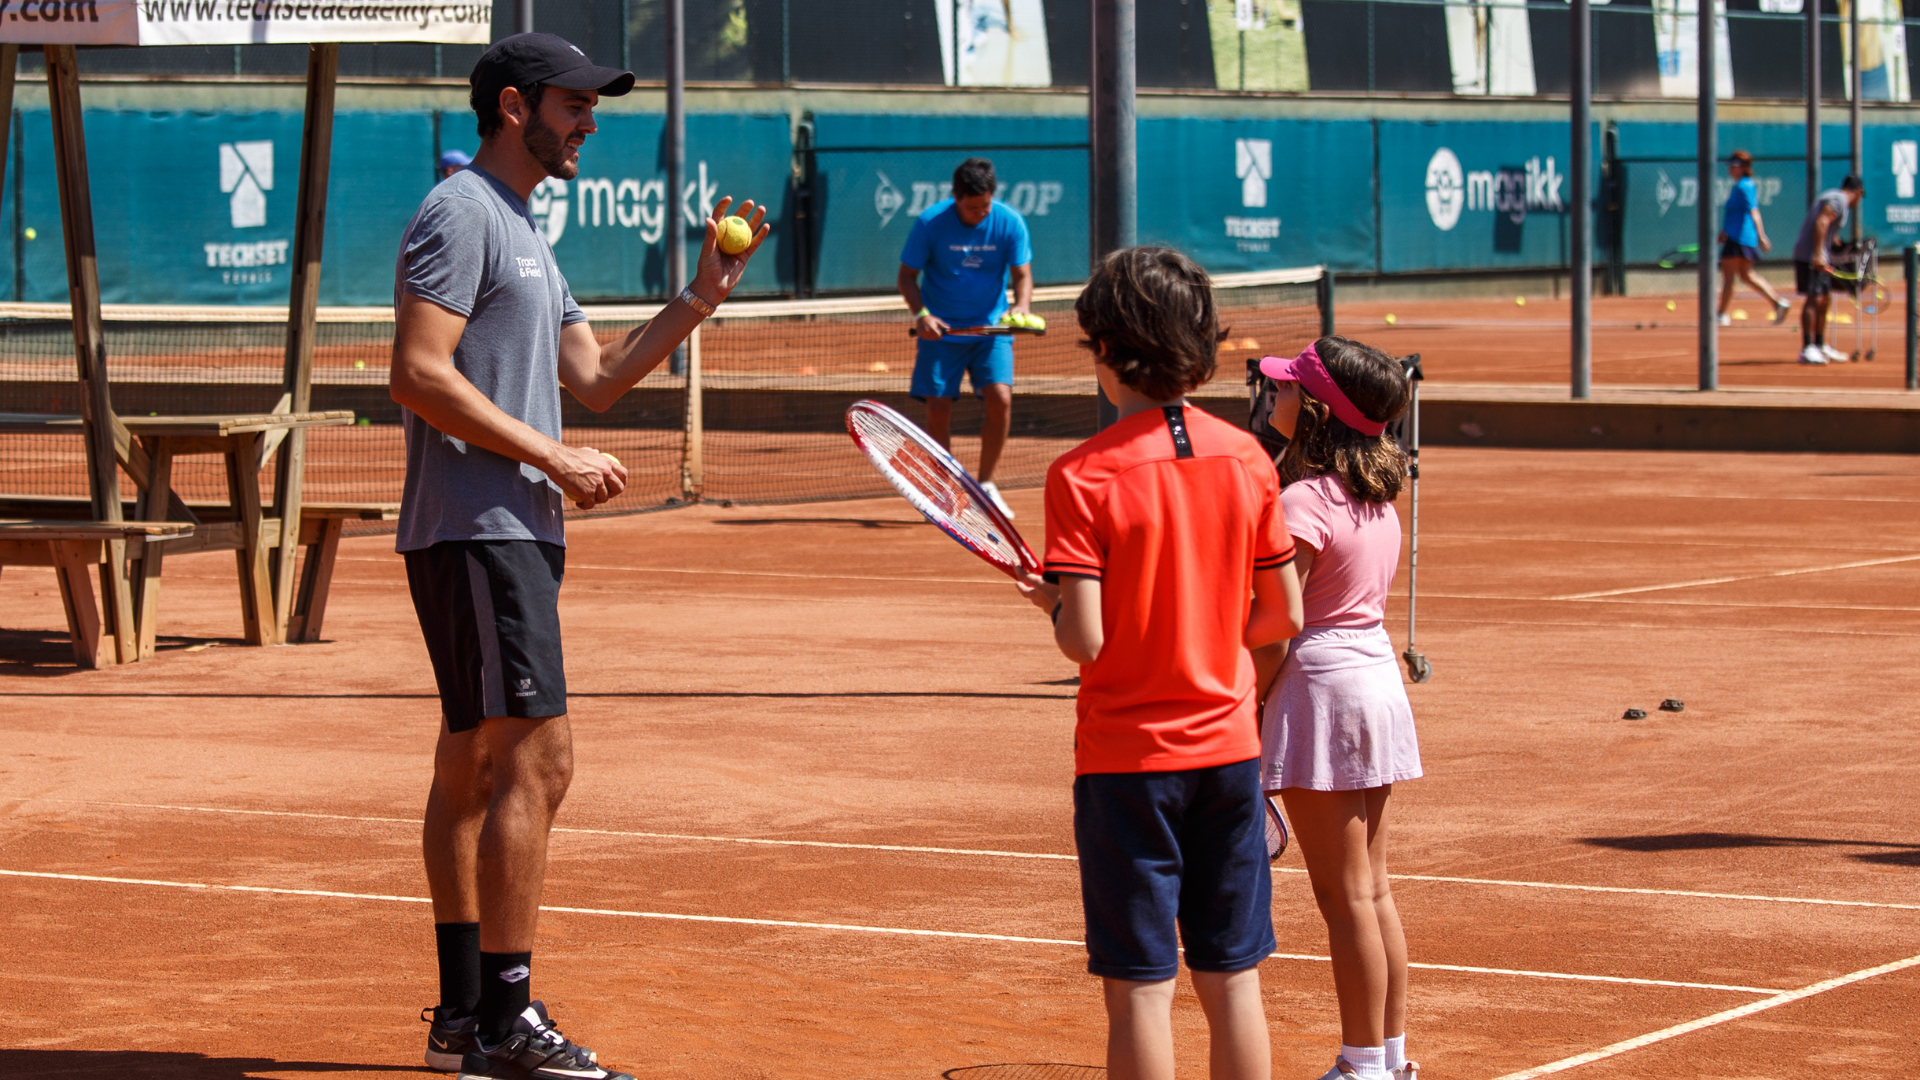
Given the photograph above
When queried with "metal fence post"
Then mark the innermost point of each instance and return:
(1110, 127)
(1580, 174)
(1705, 226)
(1912, 254)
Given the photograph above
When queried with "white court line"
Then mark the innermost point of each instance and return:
(742, 573)
(989, 853)
(1748, 1009)
(1738, 577)
(1666, 603)
(849, 927)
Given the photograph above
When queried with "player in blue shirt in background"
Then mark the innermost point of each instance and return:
(954, 272)
(1743, 237)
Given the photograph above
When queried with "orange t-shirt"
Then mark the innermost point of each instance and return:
(1172, 510)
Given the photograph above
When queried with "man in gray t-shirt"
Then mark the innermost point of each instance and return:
(1819, 233)
(486, 334)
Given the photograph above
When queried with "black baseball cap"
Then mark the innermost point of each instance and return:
(526, 59)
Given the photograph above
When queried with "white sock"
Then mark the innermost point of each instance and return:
(1396, 1052)
(1370, 1060)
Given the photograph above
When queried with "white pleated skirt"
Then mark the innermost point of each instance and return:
(1339, 719)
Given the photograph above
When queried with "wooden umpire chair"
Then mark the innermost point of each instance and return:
(129, 552)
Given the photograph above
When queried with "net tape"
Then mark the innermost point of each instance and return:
(776, 378)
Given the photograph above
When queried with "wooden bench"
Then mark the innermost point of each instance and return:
(75, 549)
(320, 527)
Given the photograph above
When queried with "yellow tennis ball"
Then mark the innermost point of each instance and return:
(1670, 305)
(1392, 318)
(1520, 301)
(1036, 322)
(609, 457)
(32, 233)
(734, 235)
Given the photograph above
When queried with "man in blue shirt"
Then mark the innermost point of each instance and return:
(1743, 236)
(954, 273)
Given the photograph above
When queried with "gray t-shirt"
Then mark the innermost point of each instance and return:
(1832, 199)
(473, 249)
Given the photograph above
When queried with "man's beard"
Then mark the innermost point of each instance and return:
(549, 149)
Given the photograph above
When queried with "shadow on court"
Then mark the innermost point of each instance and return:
(156, 1065)
(1896, 854)
(49, 653)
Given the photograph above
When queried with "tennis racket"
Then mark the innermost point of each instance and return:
(1276, 830)
(985, 331)
(938, 486)
(1683, 255)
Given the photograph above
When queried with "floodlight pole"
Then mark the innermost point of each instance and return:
(1580, 234)
(523, 16)
(676, 140)
(1111, 140)
(1705, 230)
(1813, 100)
(1853, 117)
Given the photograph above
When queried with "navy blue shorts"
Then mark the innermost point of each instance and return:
(1174, 857)
(490, 612)
(1731, 250)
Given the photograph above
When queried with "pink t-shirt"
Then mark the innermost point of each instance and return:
(1359, 546)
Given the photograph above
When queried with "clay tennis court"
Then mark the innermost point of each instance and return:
(820, 820)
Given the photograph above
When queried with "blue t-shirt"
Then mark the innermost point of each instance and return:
(963, 270)
(1738, 222)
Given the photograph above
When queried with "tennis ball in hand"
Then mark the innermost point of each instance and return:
(609, 457)
(734, 235)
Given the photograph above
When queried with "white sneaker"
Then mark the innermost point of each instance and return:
(1834, 354)
(1341, 1068)
(1812, 355)
(1780, 311)
(994, 494)
(1409, 1071)
(1726, 320)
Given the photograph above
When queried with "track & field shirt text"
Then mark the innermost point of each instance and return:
(1174, 539)
(963, 269)
(473, 249)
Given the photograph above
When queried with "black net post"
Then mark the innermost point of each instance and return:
(1813, 100)
(1705, 225)
(1912, 259)
(1110, 129)
(1324, 296)
(676, 26)
(1580, 234)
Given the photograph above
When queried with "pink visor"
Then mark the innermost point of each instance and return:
(1308, 370)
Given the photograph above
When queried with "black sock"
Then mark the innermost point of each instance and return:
(504, 992)
(1820, 338)
(458, 944)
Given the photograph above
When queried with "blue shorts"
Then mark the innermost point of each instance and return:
(937, 365)
(1731, 250)
(1184, 849)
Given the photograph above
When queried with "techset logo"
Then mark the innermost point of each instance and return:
(246, 175)
(1446, 189)
(1253, 167)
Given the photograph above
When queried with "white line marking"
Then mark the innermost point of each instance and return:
(1531, 623)
(737, 573)
(1738, 577)
(1649, 892)
(1748, 1009)
(990, 853)
(849, 927)
(1667, 603)
(595, 832)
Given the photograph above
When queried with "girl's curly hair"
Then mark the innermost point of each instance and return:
(1371, 466)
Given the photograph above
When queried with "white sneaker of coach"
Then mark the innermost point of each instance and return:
(1812, 355)
(1834, 354)
(1726, 320)
(994, 494)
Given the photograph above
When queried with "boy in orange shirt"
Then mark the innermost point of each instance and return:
(1167, 559)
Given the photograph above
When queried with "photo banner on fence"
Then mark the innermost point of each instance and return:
(243, 22)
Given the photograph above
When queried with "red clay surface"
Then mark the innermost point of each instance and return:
(1637, 341)
(843, 674)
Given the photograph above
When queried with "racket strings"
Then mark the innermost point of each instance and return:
(929, 482)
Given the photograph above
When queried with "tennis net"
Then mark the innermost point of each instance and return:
(768, 398)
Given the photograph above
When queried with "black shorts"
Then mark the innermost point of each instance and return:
(1809, 281)
(490, 611)
(1731, 250)
(1184, 849)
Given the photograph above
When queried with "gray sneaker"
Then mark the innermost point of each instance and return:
(534, 1050)
(449, 1038)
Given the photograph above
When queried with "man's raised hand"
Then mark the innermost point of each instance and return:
(717, 273)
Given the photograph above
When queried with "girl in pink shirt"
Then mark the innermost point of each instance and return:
(1337, 731)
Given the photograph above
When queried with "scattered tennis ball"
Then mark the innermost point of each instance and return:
(734, 235)
(1520, 301)
(365, 422)
(877, 366)
(31, 233)
(1670, 305)
(1841, 317)
(359, 365)
(1739, 314)
(1392, 318)
(808, 371)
